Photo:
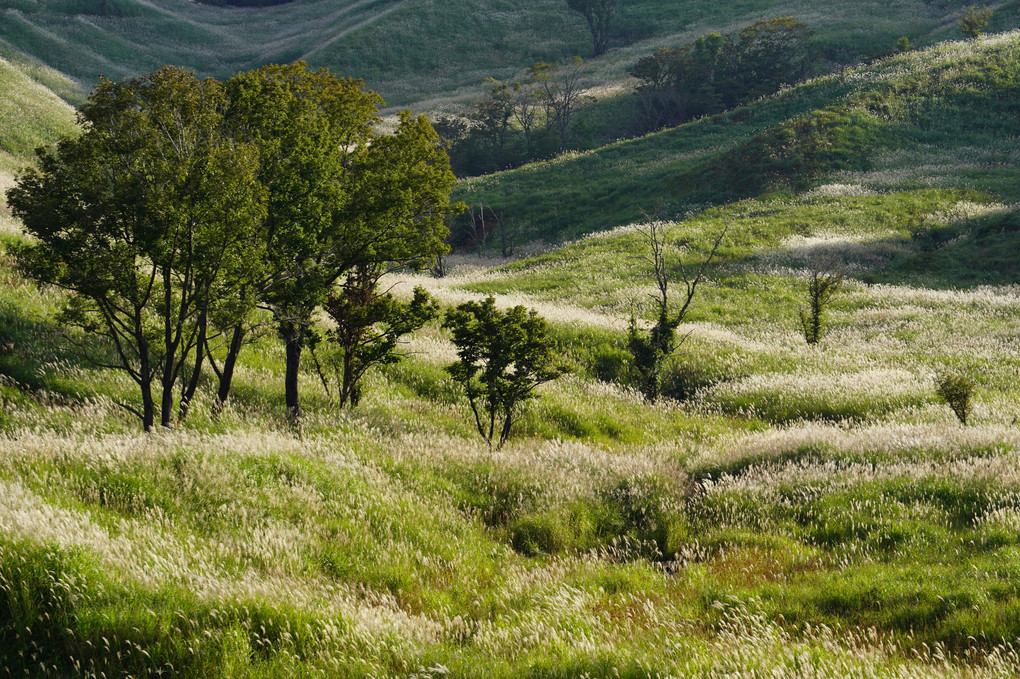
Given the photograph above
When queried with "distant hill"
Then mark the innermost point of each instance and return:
(32, 111)
(420, 50)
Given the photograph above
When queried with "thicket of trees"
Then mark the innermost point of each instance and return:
(517, 121)
(719, 71)
(185, 204)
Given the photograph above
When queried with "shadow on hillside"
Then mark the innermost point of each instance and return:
(963, 255)
(952, 256)
(30, 347)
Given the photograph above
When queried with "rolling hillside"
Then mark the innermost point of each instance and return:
(423, 50)
(32, 113)
(786, 511)
(941, 117)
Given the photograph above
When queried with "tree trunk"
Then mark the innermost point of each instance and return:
(145, 379)
(347, 388)
(169, 361)
(148, 407)
(292, 340)
(192, 386)
(227, 374)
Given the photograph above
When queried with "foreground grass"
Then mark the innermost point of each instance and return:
(857, 532)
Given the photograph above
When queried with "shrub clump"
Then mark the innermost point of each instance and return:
(957, 391)
(534, 535)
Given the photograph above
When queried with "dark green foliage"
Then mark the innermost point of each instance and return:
(368, 327)
(956, 390)
(600, 15)
(340, 195)
(139, 218)
(822, 286)
(973, 20)
(503, 357)
(647, 511)
(717, 72)
(517, 122)
(535, 535)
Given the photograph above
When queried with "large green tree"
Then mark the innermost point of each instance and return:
(502, 357)
(138, 218)
(340, 195)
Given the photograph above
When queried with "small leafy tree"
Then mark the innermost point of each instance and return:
(651, 348)
(822, 286)
(973, 20)
(369, 326)
(956, 390)
(504, 355)
(599, 14)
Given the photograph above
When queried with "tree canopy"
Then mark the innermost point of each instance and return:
(340, 195)
(503, 356)
(184, 203)
(718, 71)
(138, 217)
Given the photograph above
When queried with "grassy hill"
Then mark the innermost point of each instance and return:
(420, 50)
(789, 510)
(939, 117)
(32, 113)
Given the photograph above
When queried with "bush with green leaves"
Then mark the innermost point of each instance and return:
(957, 391)
(504, 355)
(367, 329)
(973, 20)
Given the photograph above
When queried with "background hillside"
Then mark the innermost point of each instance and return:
(421, 50)
(943, 117)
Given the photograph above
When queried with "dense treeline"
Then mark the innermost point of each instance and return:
(517, 121)
(718, 71)
(186, 204)
(537, 117)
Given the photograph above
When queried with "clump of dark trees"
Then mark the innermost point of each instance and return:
(537, 117)
(517, 121)
(186, 204)
(718, 72)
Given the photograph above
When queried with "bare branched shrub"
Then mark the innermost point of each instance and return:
(651, 348)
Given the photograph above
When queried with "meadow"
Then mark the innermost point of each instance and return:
(787, 511)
